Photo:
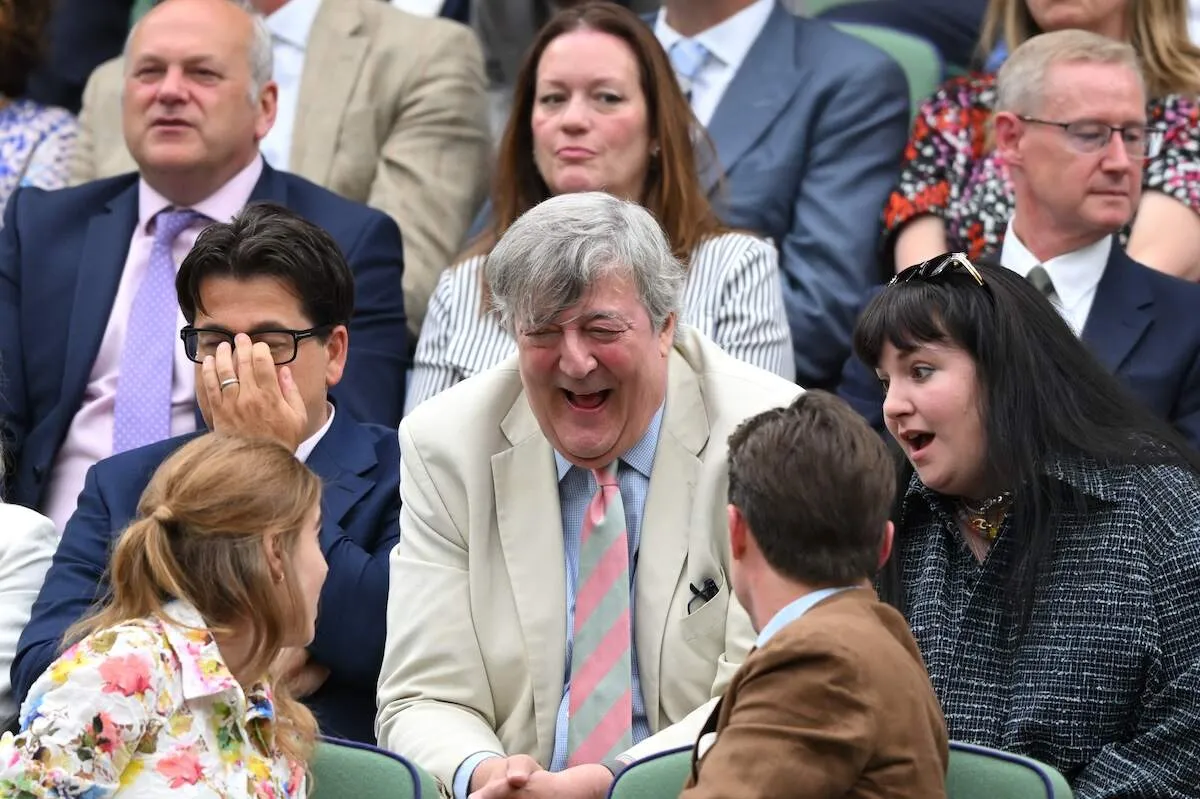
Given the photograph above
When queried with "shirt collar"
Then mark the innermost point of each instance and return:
(730, 40)
(794, 610)
(293, 22)
(1074, 273)
(309, 444)
(220, 206)
(203, 672)
(640, 456)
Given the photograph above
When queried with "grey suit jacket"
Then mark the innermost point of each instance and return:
(392, 113)
(810, 134)
(477, 663)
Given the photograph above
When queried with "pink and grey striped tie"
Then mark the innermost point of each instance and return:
(600, 720)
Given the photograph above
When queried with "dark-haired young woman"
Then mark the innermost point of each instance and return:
(1047, 550)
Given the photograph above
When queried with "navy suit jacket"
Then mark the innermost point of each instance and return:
(810, 135)
(1143, 326)
(61, 258)
(359, 465)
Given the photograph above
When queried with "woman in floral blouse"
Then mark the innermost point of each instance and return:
(167, 689)
(954, 192)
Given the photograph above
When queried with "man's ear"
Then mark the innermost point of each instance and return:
(885, 547)
(1007, 128)
(738, 532)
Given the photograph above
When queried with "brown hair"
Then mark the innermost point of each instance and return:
(199, 536)
(815, 484)
(672, 192)
(22, 38)
(1158, 31)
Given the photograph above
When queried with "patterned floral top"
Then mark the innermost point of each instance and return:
(146, 709)
(35, 145)
(948, 172)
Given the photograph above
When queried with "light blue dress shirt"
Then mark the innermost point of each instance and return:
(794, 610)
(576, 487)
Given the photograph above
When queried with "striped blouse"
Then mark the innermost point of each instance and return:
(732, 294)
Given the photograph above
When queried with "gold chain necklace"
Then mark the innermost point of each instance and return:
(982, 520)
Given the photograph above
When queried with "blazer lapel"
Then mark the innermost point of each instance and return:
(1121, 310)
(529, 522)
(102, 261)
(341, 458)
(337, 46)
(759, 91)
(667, 522)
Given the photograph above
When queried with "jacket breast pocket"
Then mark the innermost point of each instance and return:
(707, 621)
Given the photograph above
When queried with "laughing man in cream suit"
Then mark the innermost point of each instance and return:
(498, 474)
(381, 106)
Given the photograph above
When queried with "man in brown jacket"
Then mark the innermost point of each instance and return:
(834, 701)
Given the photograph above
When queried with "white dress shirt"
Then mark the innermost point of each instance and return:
(309, 444)
(422, 8)
(290, 27)
(728, 43)
(1075, 274)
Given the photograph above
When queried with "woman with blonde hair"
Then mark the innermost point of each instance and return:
(167, 687)
(954, 192)
(597, 107)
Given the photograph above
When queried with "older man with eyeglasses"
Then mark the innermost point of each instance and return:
(1071, 127)
(266, 298)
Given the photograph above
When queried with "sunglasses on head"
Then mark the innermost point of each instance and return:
(946, 264)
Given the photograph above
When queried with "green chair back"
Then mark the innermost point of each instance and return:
(349, 770)
(659, 776)
(977, 772)
(918, 58)
(140, 7)
(812, 8)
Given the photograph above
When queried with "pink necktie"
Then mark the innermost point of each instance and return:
(600, 720)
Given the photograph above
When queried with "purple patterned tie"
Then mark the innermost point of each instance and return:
(143, 407)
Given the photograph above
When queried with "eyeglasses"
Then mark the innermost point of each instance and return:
(1086, 136)
(945, 264)
(200, 342)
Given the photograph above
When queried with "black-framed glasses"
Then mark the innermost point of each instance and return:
(1089, 136)
(945, 264)
(200, 342)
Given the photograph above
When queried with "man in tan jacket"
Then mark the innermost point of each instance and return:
(381, 106)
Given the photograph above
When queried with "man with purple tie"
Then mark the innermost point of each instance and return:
(88, 362)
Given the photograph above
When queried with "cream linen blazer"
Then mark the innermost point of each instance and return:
(392, 113)
(476, 628)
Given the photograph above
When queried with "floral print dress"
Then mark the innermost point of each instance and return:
(146, 709)
(35, 146)
(950, 172)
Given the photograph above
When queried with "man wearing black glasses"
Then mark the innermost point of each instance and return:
(1071, 128)
(266, 298)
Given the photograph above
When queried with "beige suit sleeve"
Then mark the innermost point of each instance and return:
(82, 163)
(24, 560)
(434, 702)
(433, 168)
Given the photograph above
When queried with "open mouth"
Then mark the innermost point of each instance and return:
(917, 442)
(587, 402)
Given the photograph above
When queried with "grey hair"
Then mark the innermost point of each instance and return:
(549, 258)
(1019, 83)
(262, 57)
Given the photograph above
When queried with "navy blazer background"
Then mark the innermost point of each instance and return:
(61, 258)
(359, 465)
(1144, 326)
(810, 135)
